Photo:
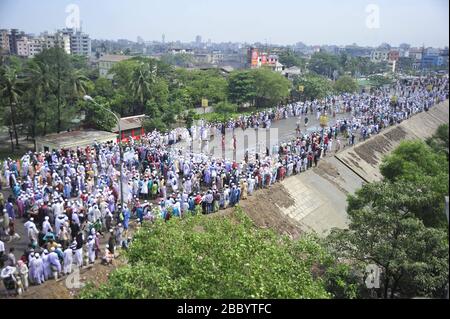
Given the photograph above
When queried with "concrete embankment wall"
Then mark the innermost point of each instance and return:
(317, 199)
(365, 158)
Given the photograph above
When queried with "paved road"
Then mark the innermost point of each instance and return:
(253, 140)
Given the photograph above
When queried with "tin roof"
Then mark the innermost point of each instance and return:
(129, 123)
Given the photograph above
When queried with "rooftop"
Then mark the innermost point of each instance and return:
(76, 137)
(114, 58)
(129, 123)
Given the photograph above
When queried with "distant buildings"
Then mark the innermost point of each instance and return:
(16, 42)
(257, 59)
(379, 55)
(106, 62)
(181, 51)
(80, 43)
(4, 41)
(198, 40)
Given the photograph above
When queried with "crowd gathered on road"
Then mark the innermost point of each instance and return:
(71, 200)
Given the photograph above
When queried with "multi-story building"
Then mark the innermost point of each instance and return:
(80, 43)
(57, 39)
(217, 57)
(203, 58)
(393, 55)
(14, 36)
(416, 53)
(28, 47)
(22, 47)
(181, 51)
(379, 55)
(15, 42)
(106, 62)
(432, 58)
(34, 47)
(4, 41)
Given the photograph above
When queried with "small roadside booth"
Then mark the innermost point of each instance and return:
(132, 127)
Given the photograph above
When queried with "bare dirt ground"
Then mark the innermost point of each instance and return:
(262, 209)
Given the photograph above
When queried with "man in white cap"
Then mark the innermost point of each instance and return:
(36, 270)
(78, 253)
(32, 231)
(54, 262)
(46, 227)
(91, 249)
(68, 259)
(46, 265)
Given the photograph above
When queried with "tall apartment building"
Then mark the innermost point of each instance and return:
(379, 55)
(14, 36)
(4, 41)
(22, 47)
(34, 47)
(80, 43)
(58, 39)
(16, 42)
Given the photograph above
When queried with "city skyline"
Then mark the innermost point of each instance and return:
(366, 23)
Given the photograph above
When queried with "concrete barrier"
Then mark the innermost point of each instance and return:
(365, 158)
(316, 201)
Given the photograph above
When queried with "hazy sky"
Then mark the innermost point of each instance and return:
(277, 21)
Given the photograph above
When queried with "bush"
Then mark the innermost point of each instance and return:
(223, 257)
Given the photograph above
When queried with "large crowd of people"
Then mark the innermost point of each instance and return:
(71, 200)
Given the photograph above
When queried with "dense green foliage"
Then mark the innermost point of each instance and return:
(399, 223)
(439, 142)
(415, 168)
(346, 84)
(221, 257)
(315, 86)
(378, 81)
(258, 87)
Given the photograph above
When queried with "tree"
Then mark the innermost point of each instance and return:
(103, 87)
(343, 282)
(142, 80)
(78, 85)
(241, 87)
(425, 173)
(189, 119)
(439, 142)
(10, 90)
(96, 117)
(413, 258)
(346, 84)
(39, 81)
(59, 63)
(411, 160)
(315, 86)
(209, 84)
(324, 64)
(271, 88)
(290, 59)
(379, 80)
(224, 257)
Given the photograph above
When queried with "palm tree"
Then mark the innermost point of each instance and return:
(39, 79)
(78, 84)
(9, 89)
(144, 76)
